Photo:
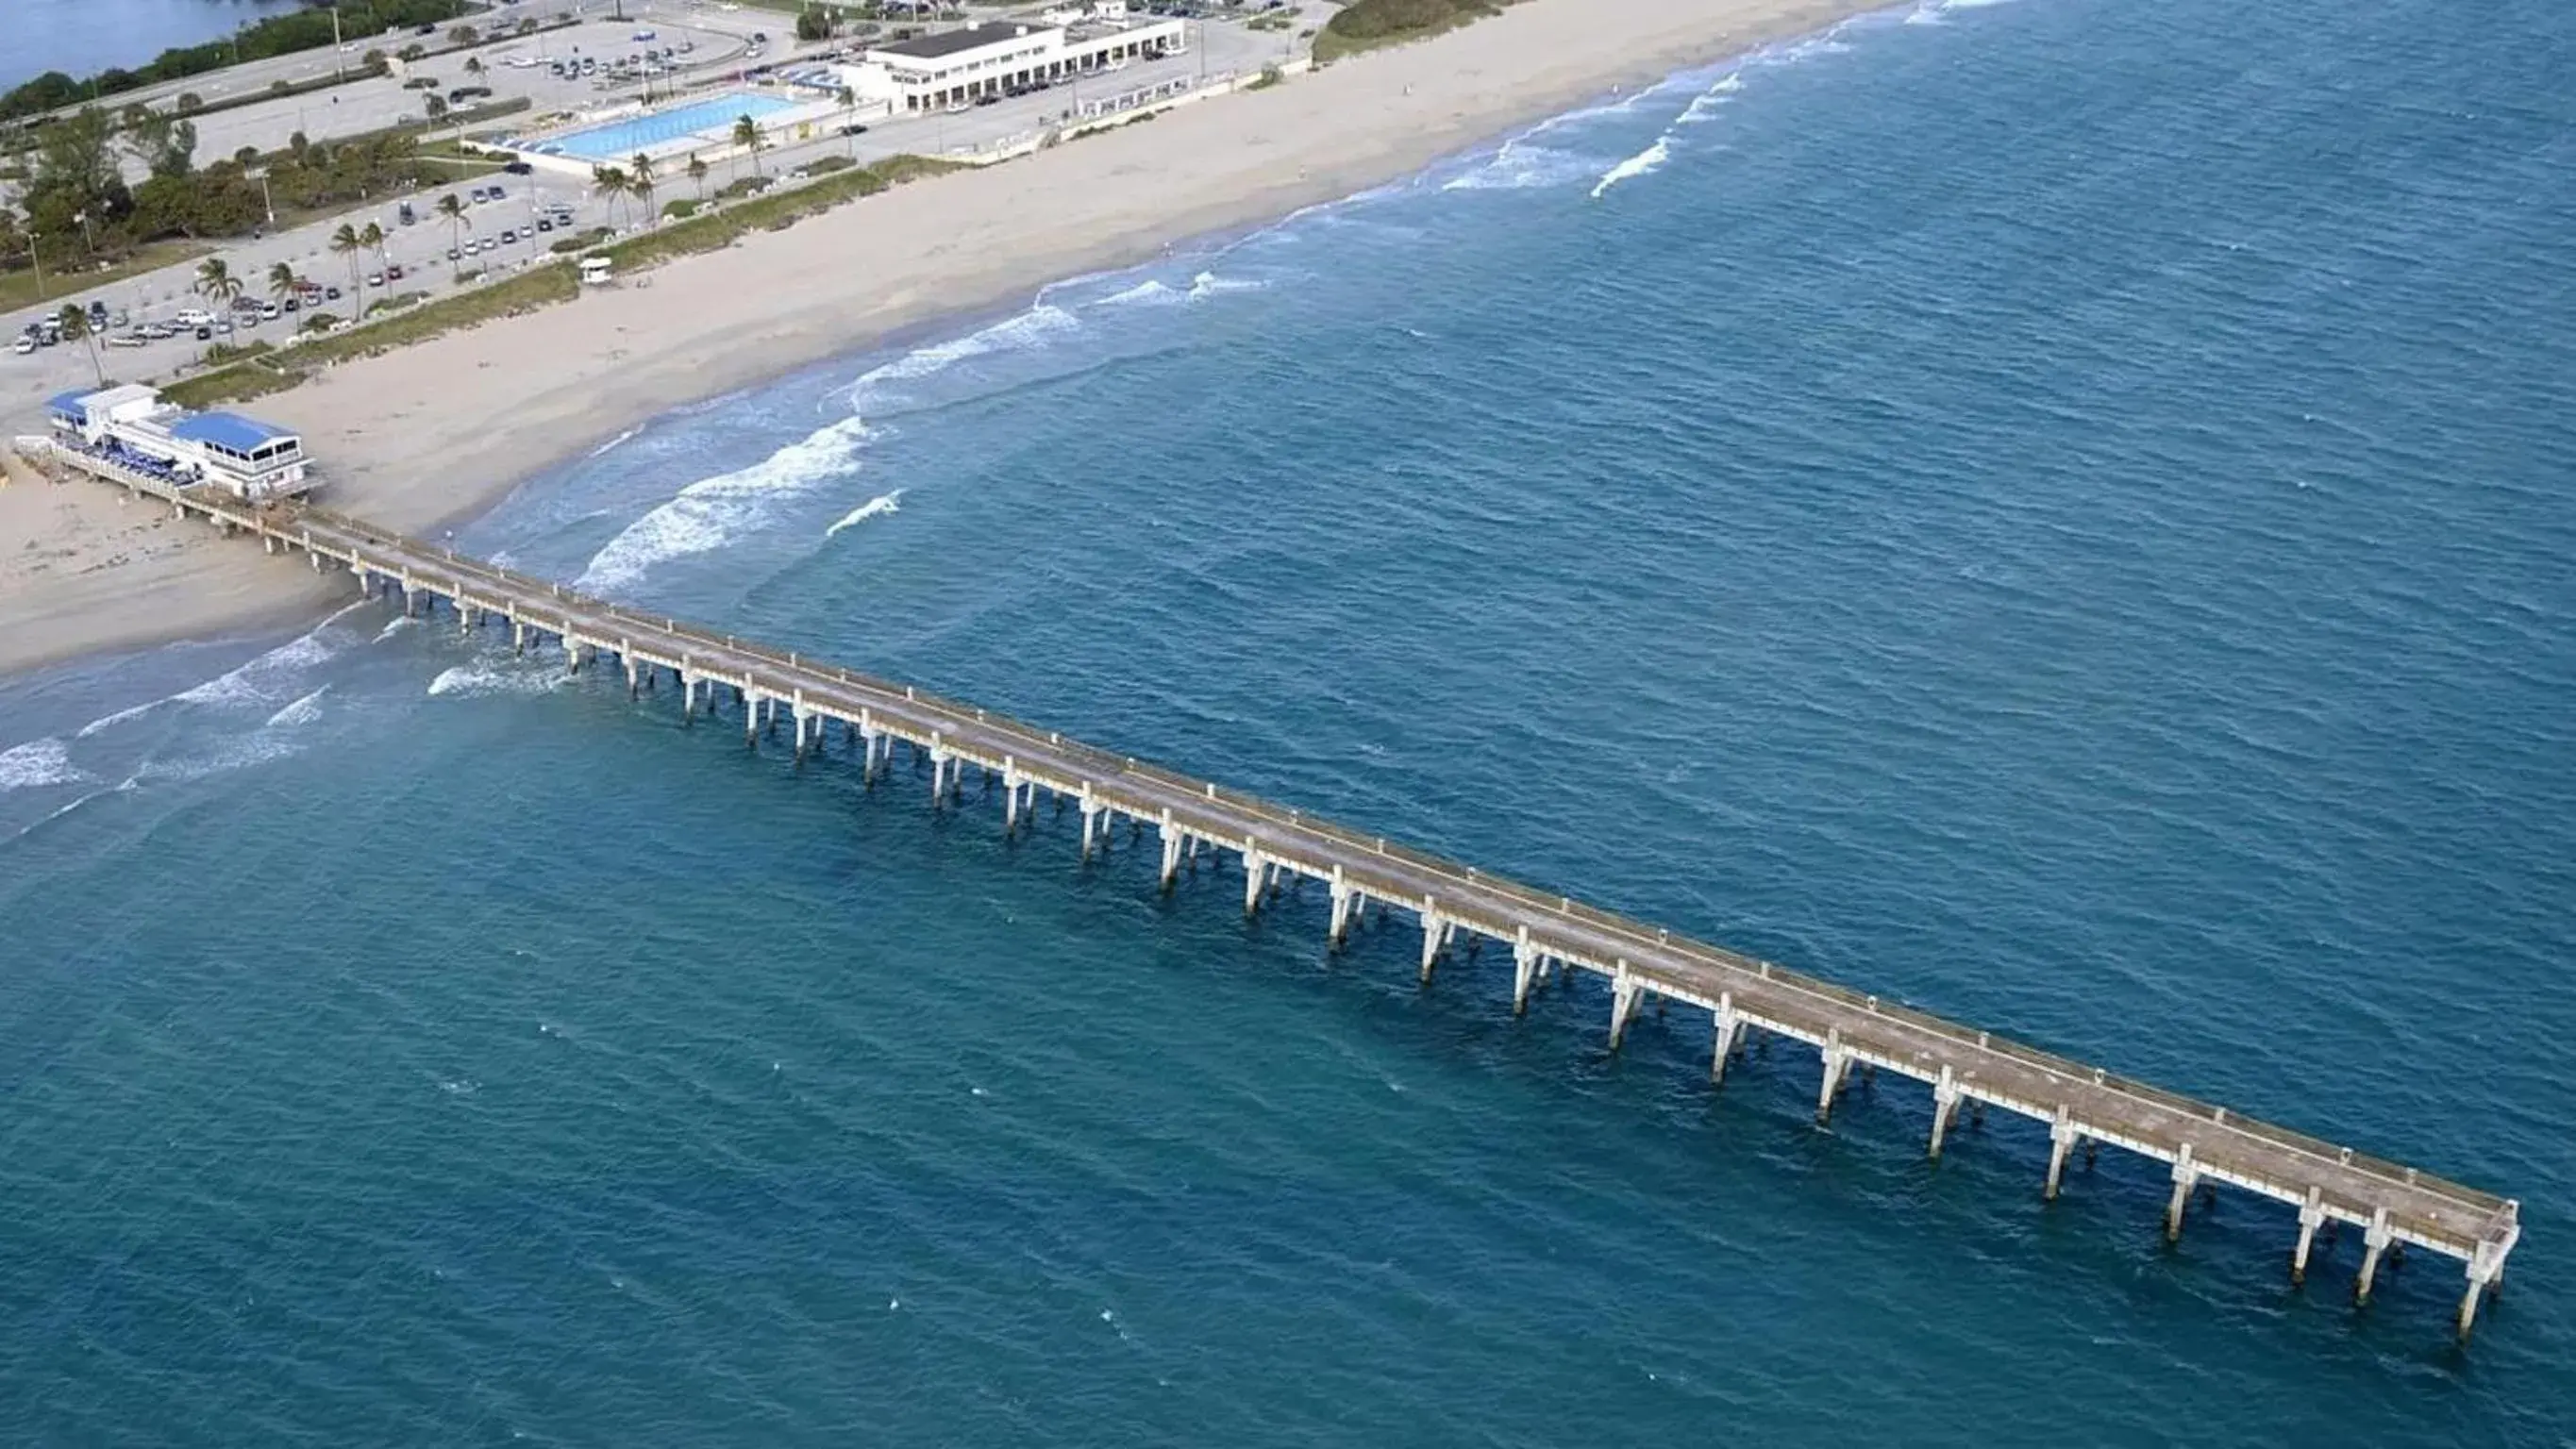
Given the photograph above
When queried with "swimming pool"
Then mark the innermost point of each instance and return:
(713, 118)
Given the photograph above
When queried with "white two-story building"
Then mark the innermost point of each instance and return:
(957, 67)
(132, 426)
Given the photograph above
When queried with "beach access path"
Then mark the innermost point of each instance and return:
(423, 437)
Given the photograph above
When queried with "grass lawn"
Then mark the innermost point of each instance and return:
(18, 289)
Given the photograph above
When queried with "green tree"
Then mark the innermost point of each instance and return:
(698, 175)
(474, 67)
(610, 184)
(813, 23)
(641, 188)
(283, 284)
(434, 107)
(216, 283)
(372, 237)
(452, 211)
(746, 134)
(348, 243)
(75, 324)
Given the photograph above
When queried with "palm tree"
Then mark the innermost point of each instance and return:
(283, 284)
(640, 169)
(216, 283)
(698, 175)
(474, 67)
(373, 239)
(609, 183)
(746, 134)
(75, 324)
(641, 188)
(452, 211)
(348, 243)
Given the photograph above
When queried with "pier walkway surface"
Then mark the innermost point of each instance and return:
(2082, 1106)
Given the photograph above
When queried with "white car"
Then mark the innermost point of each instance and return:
(195, 317)
(23, 345)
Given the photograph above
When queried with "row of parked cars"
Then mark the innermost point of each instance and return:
(118, 329)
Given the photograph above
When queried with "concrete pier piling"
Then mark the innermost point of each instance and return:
(1550, 935)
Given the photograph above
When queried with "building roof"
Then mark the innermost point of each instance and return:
(227, 430)
(952, 42)
(66, 402)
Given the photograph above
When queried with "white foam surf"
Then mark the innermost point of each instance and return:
(1644, 163)
(105, 722)
(38, 763)
(711, 512)
(1704, 106)
(1143, 293)
(303, 711)
(1209, 284)
(613, 442)
(485, 678)
(1520, 166)
(880, 386)
(877, 507)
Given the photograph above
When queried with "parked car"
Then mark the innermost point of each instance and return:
(375, 279)
(331, 293)
(518, 168)
(545, 223)
(24, 345)
(454, 253)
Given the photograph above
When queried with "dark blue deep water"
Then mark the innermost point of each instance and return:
(2058, 512)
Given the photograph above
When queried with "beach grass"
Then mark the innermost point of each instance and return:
(239, 382)
(534, 288)
(1365, 25)
(770, 211)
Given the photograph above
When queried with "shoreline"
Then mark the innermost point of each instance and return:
(516, 398)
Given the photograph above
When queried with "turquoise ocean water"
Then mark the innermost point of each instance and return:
(2057, 512)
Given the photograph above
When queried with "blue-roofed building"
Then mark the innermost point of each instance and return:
(133, 426)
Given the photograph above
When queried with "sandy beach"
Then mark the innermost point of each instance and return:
(435, 433)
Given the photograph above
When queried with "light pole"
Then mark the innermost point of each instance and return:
(38, 262)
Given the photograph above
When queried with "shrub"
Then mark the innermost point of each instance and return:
(680, 210)
(822, 165)
(744, 186)
(318, 322)
(190, 101)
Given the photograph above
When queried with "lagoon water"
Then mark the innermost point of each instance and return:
(2057, 512)
(83, 37)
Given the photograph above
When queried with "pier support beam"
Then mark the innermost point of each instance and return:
(1525, 957)
(751, 704)
(2061, 1140)
(2185, 1178)
(1173, 836)
(2312, 1216)
(1837, 1063)
(1011, 798)
(688, 698)
(1435, 937)
(1729, 1028)
(2374, 1243)
(1945, 1103)
(1623, 1003)
(1091, 823)
(2485, 1265)
(939, 767)
(1256, 878)
(1340, 891)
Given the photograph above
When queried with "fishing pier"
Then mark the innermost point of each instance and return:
(1548, 936)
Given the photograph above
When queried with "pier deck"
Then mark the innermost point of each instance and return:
(1547, 934)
